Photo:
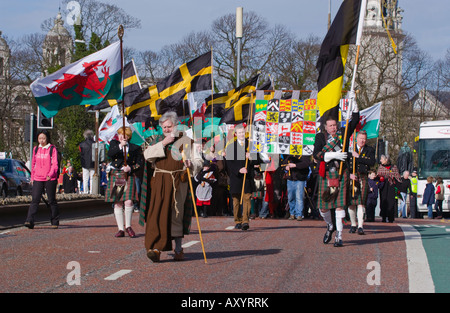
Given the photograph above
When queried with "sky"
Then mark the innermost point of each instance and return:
(168, 21)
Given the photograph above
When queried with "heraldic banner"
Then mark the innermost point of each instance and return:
(284, 126)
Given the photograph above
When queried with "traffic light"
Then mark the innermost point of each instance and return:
(43, 121)
(27, 131)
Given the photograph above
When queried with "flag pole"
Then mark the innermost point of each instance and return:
(195, 206)
(250, 131)
(212, 96)
(120, 34)
(362, 13)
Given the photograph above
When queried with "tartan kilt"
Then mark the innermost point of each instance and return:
(130, 192)
(362, 197)
(342, 198)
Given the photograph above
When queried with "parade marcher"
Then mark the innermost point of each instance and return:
(87, 163)
(333, 188)
(235, 156)
(298, 170)
(44, 175)
(121, 188)
(70, 181)
(388, 173)
(364, 156)
(164, 210)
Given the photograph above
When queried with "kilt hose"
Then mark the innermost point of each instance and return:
(130, 192)
(361, 196)
(342, 198)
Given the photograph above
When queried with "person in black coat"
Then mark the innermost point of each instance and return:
(87, 162)
(235, 155)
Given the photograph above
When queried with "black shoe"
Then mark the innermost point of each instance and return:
(30, 225)
(352, 230)
(245, 226)
(360, 231)
(328, 234)
(238, 226)
(338, 243)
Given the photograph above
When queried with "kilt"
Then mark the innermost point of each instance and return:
(130, 192)
(341, 199)
(361, 198)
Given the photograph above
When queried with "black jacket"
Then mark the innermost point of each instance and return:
(365, 161)
(86, 153)
(135, 158)
(235, 160)
(301, 169)
(321, 140)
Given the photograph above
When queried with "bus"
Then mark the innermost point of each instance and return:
(433, 160)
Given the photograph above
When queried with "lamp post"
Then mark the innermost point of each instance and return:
(239, 13)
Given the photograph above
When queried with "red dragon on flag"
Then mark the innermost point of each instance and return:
(88, 79)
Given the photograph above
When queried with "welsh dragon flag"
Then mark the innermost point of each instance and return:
(85, 82)
(369, 119)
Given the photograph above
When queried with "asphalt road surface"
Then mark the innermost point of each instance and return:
(275, 256)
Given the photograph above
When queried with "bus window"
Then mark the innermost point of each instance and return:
(434, 158)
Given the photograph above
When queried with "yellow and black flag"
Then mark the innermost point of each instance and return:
(333, 56)
(168, 94)
(131, 88)
(232, 106)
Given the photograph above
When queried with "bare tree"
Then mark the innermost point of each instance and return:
(100, 18)
(294, 67)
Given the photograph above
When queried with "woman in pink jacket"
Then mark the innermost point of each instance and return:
(44, 176)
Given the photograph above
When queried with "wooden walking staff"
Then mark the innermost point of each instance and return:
(195, 206)
(120, 34)
(250, 131)
(362, 13)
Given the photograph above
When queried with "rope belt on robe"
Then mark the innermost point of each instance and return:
(158, 170)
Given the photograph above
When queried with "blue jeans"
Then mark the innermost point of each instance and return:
(295, 190)
(264, 211)
(402, 207)
(430, 211)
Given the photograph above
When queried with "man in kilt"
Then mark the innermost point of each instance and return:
(333, 187)
(121, 186)
(364, 158)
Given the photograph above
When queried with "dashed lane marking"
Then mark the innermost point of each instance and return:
(118, 274)
(189, 244)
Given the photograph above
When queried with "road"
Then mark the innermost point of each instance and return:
(275, 256)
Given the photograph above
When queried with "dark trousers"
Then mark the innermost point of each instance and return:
(438, 207)
(413, 204)
(38, 189)
(370, 209)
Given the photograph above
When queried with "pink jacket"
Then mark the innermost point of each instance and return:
(42, 166)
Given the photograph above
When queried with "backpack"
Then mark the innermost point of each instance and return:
(59, 156)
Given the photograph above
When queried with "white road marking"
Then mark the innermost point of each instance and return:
(190, 243)
(118, 274)
(420, 280)
(230, 227)
(93, 251)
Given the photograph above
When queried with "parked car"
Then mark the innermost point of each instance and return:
(15, 178)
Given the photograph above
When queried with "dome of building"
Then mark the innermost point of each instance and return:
(58, 29)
